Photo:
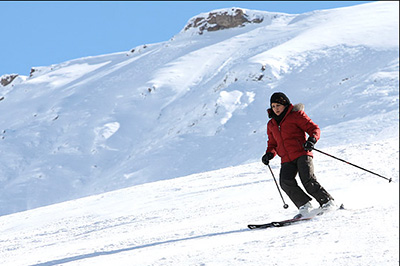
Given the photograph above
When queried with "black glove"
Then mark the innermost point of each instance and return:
(266, 157)
(309, 145)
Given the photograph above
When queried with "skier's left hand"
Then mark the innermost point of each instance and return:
(309, 145)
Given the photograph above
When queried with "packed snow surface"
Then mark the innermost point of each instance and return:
(202, 219)
(152, 156)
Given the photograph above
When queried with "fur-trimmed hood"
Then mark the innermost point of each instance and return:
(297, 107)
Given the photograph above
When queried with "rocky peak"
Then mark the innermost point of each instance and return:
(221, 19)
(7, 79)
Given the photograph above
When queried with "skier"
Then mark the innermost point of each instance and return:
(286, 132)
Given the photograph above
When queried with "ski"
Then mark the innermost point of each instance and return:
(278, 224)
(314, 213)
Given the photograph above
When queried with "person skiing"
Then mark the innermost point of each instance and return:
(287, 138)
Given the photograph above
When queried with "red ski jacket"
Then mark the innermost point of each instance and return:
(287, 138)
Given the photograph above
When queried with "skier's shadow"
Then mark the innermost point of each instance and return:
(111, 252)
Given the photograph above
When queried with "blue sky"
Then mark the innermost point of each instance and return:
(36, 33)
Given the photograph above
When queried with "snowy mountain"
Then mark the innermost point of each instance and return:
(197, 102)
(180, 127)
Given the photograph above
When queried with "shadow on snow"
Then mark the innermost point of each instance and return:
(111, 252)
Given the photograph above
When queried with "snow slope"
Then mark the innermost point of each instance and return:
(202, 219)
(191, 111)
(195, 103)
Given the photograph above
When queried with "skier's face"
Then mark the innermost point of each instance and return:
(277, 108)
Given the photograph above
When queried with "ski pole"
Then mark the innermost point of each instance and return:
(285, 206)
(390, 180)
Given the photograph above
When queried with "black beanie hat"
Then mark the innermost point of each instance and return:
(281, 98)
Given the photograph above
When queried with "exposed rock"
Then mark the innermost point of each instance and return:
(40, 70)
(7, 79)
(33, 70)
(221, 20)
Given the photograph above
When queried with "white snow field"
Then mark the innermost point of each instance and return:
(152, 156)
(202, 219)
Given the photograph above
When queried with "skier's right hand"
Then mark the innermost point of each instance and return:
(266, 157)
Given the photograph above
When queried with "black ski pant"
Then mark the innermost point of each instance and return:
(305, 167)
